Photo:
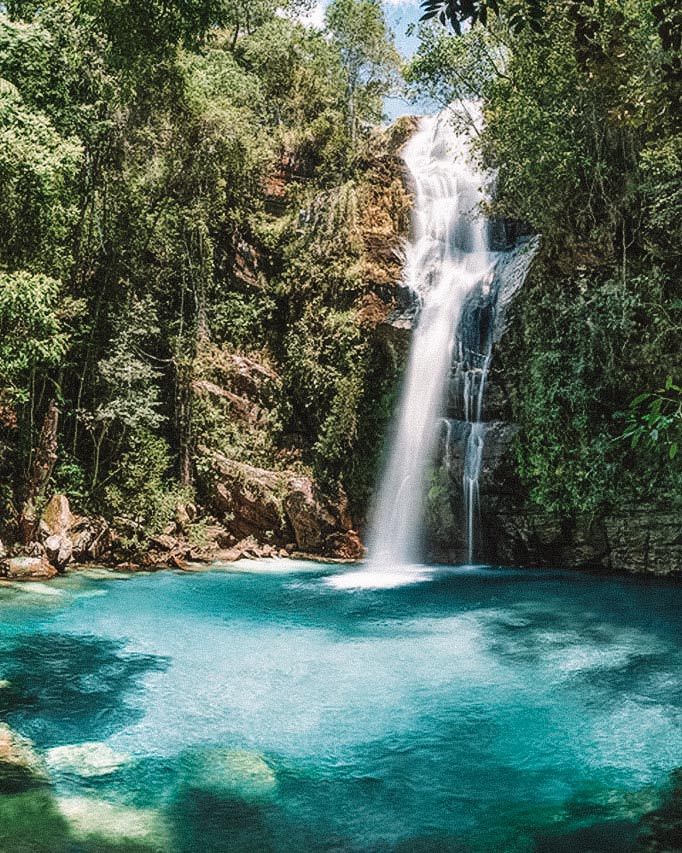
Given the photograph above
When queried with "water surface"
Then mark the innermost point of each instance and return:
(271, 710)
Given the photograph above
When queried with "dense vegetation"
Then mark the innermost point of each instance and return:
(185, 185)
(584, 130)
(177, 187)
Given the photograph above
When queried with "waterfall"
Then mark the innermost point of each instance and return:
(463, 289)
(447, 259)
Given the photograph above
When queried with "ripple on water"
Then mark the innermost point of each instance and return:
(471, 710)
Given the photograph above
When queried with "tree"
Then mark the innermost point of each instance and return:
(358, 29)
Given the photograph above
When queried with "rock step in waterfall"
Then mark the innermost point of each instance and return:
(462, 289)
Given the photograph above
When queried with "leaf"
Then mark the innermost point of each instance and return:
(672, 451)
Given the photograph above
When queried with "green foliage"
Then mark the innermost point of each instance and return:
(38, 170)
(139, 146)
(575, 364)
(70, 478)
(656, 418)
(447, 69)
(358, 29)
(241, 427)
(322, 348)
(339, 430)
(141, 489)
(661, 172)
(32, 330)
(460, 13)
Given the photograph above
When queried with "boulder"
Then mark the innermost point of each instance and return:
(166, 550)
(344, 546)
(252, 378)
(20, 767)
(54, 528)
(57, 519)
(249, 549)
(91, 538)
(311, 520)
(59, 550)
(249, 498)
(29, 568)
(274, 508)
(67, 537)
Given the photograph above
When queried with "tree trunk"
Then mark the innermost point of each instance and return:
(39, 474)
(184, 371)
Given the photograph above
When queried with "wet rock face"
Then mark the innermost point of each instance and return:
(513, 532)
(498, 485)
(642, 541)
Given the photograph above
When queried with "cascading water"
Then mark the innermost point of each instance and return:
(481, 325)
(447, 259)
(462, 289)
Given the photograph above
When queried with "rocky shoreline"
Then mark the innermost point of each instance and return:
(66, 541)
(310, 530)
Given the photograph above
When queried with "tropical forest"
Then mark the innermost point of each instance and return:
(340, 426)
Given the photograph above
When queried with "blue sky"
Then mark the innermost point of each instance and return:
(399, 14)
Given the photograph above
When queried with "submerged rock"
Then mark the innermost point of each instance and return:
(232, 773)
(92, 820)
(21, 769)
(31, 823)
(86, 759)
(661, 828)
(37, 588)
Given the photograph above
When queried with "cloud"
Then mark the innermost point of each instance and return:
(314, 18)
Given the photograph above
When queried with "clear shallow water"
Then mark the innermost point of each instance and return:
(257, 710)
